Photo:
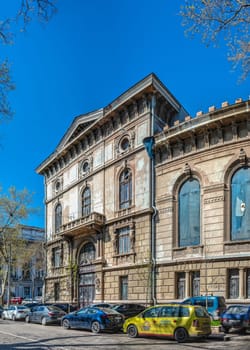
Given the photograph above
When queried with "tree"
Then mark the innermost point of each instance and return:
(229, 19)
(14, 208)
(27, 10)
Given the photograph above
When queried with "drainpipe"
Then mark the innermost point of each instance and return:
(149, 145)
(153, 217)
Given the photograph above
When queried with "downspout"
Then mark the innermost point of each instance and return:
(153, 217)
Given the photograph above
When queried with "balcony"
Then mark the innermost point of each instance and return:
(85, 225)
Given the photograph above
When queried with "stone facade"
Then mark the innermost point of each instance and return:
(113, 201)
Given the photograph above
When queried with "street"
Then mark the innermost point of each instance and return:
(22, 336)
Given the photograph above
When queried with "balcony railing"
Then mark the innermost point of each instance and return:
(84, 225)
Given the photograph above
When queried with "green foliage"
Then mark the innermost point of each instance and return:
(215, 323)
(225, 20)
(14, 208)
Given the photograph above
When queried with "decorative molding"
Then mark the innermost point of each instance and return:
(214, 199)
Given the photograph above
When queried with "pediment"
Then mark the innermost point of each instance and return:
(79, 125)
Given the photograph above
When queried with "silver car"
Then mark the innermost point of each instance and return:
(45, 314)
(15, 312)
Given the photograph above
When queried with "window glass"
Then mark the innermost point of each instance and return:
(196, 283)
(189, 213)
(86, 202)
(58, 217)
(123, 240)
(87, 253)
(248, 283)
(240, 205)
(153, 312)
(124, 287)
(125, 189)
(233, 283)
(201, 312)
(181, 285)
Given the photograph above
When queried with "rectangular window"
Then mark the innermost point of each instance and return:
(196, 283)
(124, 287)
(123, 240)
(248, 283)
(233, 283)
(27, 292)
(56, 257)
(57, 291)
(180, 285)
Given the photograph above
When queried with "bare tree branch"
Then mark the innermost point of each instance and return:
(216, 20)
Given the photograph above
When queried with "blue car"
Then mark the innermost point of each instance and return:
(236, 317)
(92, 318)
(214, 304)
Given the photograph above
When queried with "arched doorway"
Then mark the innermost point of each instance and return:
(86, 288)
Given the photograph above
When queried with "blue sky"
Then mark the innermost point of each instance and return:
(85, 57)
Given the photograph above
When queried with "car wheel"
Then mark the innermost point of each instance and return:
(27, 319)
(95, 327)
(226, 329)
(132, 331)
(44, 321)
(3, 317)
(66, 324)
(180, 335)
(243, 331)
(13, 317)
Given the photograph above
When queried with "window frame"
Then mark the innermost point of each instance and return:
(233, 278)
(58, 217)
(238, 205)
(86, 202)
(124, 287)
(179, 233)
(125, 189)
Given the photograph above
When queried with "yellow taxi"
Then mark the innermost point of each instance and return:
(171, 320)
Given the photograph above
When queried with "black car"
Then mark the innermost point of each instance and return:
(66, 307)
(128, 310)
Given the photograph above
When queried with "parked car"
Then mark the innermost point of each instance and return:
(15, 312)
(236, 317)
(66, 307)
(94, 319)
(128, 310)
(106, 305)
(16, 300)
(45, 314)
(1, 310)
(171, 320)
(215, 305)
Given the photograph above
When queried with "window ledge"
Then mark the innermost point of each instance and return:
(123, 255)
(242, 241)
(188, 247)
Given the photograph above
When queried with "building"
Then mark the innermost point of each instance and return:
(28, 267)
(145, 203)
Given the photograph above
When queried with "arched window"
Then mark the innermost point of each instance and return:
(125, 189)
(58, 217)
(189, 213)
(86, 202)
(240, 204)
(87, 253)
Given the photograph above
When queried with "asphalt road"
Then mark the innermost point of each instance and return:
(22, 336)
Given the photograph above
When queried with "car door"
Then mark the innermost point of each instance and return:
(79, 318)
(147, 321)
(10, 311)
